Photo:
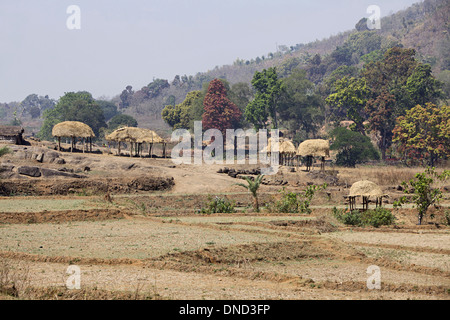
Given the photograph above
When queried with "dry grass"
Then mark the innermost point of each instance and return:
(383, 176)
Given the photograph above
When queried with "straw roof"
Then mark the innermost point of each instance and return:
(268, 148)
(287, 147)
(132, 134)
(72, 129)
(314, 147)
(11, 131)
(365, 188)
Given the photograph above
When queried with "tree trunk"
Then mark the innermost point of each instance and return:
(256, 203)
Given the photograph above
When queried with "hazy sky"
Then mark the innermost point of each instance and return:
(124, 42)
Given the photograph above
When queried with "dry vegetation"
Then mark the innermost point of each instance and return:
(152, 244)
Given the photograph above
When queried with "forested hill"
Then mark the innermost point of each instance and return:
(423, 27)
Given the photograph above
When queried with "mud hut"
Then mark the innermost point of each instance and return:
(137, 137)
(11, 134)
(314, 148)
(365, 189)
(73, 130)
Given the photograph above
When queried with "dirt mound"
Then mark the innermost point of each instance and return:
(279, 251)
(60, 216)
(42, 187)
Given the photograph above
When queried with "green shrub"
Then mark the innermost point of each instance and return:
(376, 217)
(4, 150)
(352, 218)
(218, 205)
(292, 202)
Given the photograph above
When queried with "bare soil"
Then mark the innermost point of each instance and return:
(132, 226)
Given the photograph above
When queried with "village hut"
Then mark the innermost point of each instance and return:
(314, 148)
(365, 189)
(12, 135)
(136, 136)
(73, 130)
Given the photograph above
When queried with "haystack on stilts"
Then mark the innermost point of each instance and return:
(365, 189)
(314, 148)
(136, 137)
(73, 130)
(287, 153)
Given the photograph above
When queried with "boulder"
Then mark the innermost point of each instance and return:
(29, 171)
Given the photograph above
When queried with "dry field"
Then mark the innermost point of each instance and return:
(141, 239)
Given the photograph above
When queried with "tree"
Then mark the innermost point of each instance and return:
(35, 105)
(265, 104)
(382, 120)
(253, 186)
(179, 116)
(220, 113)
(422, 86)
(424, 130)
(79, 106)
(299, 104)
(353, 147)
(125, 97)
(109, 109)
(122, 120)
(350, 99)
(423, 193)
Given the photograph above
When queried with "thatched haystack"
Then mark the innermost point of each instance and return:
(133, 134)
(314, 148)
(73, 129)
(286, 146)
(365, 189)
(137, 136)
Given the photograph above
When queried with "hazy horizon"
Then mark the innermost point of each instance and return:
(124, 43)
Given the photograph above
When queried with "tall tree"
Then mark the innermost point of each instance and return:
(179, 116)
(268, 90)
(422, 86)
(220, 113)
(424, 130)
(300, 106)
(74, 106)
(350, 99)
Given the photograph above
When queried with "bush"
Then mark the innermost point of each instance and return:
(218, 205)
(353, 148)
(4, 150)
(375, 218)
(352, 218)
(378, 217)
(292, 202)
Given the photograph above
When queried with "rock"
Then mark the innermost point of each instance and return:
(399, 188)
(50, 156)
(57, 173)
(6, 168)
(29, 171)
(60, 161)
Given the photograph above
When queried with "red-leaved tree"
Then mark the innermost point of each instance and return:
(220, 113)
